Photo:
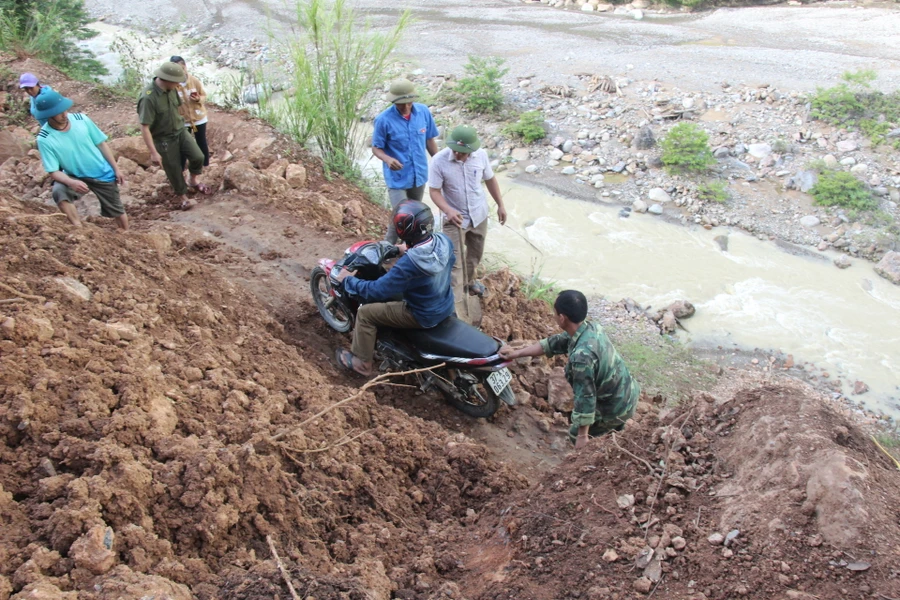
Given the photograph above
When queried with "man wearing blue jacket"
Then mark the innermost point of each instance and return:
(422, 275)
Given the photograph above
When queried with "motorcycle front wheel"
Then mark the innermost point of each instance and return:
(332, 310)
(476, 400)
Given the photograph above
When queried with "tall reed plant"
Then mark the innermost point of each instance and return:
(336, 61)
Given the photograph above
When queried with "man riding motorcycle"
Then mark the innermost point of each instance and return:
(421, 275)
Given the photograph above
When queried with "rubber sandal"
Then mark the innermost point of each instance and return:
(202, 188)
(345, 359)
(188, 204)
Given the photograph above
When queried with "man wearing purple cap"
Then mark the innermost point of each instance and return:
(32, 86)
(75, 154)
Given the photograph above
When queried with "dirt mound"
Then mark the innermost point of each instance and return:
(767, 495)
(139, 395)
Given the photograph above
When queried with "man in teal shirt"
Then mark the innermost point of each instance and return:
(75, 154)
(605, 392)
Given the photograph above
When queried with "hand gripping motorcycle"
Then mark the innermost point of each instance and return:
(475, 377)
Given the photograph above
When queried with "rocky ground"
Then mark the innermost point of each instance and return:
(161, 435)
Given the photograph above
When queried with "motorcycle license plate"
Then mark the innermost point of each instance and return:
(499, 380)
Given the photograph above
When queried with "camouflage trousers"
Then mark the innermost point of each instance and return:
(604, 425)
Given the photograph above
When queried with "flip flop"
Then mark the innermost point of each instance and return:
(345, 359)
(202, 188)
(188, 204)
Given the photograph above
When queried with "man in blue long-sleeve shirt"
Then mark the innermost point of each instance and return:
(422, 275)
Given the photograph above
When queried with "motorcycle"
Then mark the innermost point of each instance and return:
(474, 378)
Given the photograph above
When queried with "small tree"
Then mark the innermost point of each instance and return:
(529, 127)
(839, 188)
(686, 150)
(480, 90)
(335, 62)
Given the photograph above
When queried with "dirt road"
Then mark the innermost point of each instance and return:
(790, 47)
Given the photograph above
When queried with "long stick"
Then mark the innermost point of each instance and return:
(281, 568)
(889, 455)
(462, 258)
(361, 391)
(20, 294)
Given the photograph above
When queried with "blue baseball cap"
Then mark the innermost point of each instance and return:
(49, 104)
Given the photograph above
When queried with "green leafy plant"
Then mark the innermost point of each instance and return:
(529, 127)
(49, 30)
(685, 149)
(839, 188)
(535, 287)
(854, 105)
(480, 90)
(335, 60)
(713, 191)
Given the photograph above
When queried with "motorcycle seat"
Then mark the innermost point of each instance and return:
(453, 337)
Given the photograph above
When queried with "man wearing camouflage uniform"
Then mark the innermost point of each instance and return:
(163, 131)
(605, 392)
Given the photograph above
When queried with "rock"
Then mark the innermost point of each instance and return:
(642, 585)
(567, 146)
(559, 393)
(160, 241)
(74, 288)
(568, 171)
(229, 138)
(126, 165)
(759, 150)
(133, 148)
(531, 169)
(610, 556)
(659, 195)
(830, 161)
(803, 180)
(325, 211)
(11, 146)
(36, 328)
(93, 551)
(124, 584)
(810, 221)
(645, 139)
(655, 209)
(256, 148)
(227, 156)
(625, 501)
(653, 572)
(848, 161)
(587, 8)
(716, 539)
(638, 15)
(42, 590)
(682, 309)
(847, 145)
(121, 331)
(639, 206)
(277, 168)
(604, 7)
(721, 152)
(860, 387)
(679, 543)
(842, 262)
(243, 177)
(722, 242)
(354, 210)
(731, 536)
(668, 323)
(889, 267)
(519, 154)
(556, 154)
(295, 174)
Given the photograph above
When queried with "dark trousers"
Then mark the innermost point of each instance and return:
(172, 149)
(200, 138)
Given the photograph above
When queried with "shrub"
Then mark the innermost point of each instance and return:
(853, 104)
(335, 63)
(839, 188)
(529, 127)
(49, 30)
(480, 91)
(686, 149)
(713, 191)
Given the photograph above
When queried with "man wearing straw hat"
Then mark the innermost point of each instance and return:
(454, 182)
(75, 154)
(162, 128)
(403, 133)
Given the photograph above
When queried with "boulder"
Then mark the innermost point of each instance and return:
(277, 168)
(10, 146)
(325, 211)
(682, 309)
(889, 267)
(73, 288)
(93, 551)
(645, 139)
(659, 195)
(810, 221)
(559, 392)
(126, 165)
(842, 262)
(132, 148)
(295, 174)
(655, 209)
(759, 150)
(639, 206)
(243, 177)
(257, 147)
(847, 145)
(354, 210)
(520, 154)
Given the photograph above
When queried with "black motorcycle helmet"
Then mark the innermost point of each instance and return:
(413, 222)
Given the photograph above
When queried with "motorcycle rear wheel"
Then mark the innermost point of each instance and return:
(334, 312)
(481, 402)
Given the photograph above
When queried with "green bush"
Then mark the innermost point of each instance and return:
(529, 127)
(713, 191)
(839, 188)
(854, 105)
(686, 150)
(335, 63)
(49, 30)
(480, 91)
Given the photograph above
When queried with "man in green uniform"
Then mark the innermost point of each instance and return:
(605, 392)
(162, 128)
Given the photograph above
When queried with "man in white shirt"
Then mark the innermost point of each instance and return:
(454, 182)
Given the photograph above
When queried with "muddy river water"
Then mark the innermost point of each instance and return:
(754, 295)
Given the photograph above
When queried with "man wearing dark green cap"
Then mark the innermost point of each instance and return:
(454, 182)
(162, 128)
(403, 133)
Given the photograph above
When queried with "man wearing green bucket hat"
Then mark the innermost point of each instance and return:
(75, 154)
(454, 182)
(162, 128)
(403, 133)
